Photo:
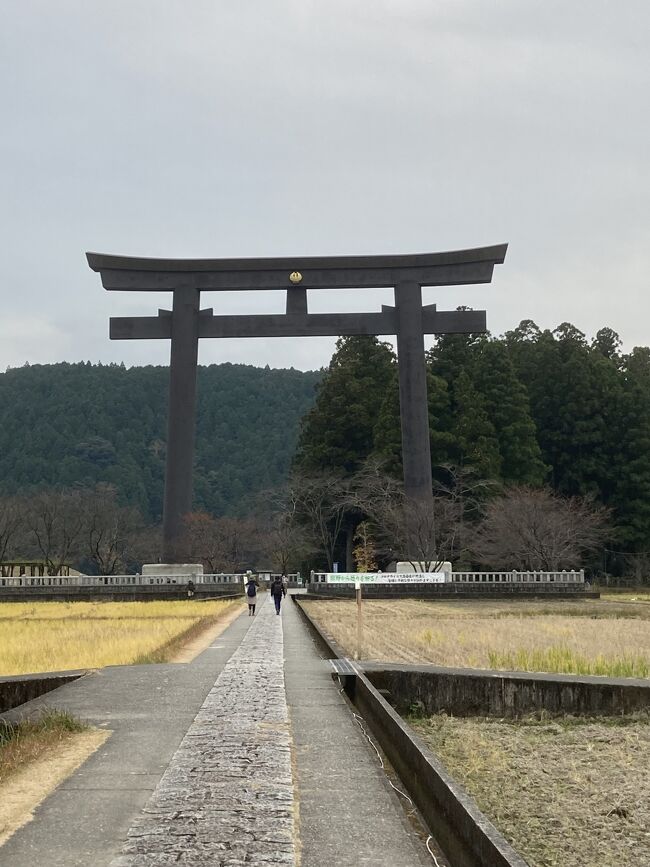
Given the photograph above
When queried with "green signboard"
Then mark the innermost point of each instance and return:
(385, 577)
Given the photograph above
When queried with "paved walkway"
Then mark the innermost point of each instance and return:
(227, 796)
(199, 768)
(348, 813)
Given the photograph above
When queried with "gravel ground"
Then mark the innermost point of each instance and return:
(570, 792)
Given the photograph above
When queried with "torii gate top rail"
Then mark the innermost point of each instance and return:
(124, 273)
(409, 320)
(450, 268)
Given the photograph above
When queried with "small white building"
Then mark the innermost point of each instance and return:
(176, 570)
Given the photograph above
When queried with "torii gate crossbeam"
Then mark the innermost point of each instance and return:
(409, 320)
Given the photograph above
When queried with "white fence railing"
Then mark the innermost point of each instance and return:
(514, 577)
(116, 580)
(518, 577)
(234, 579)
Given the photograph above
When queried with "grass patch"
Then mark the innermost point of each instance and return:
(625, 596)
(56, 636)
(23, 742)
(563, 660)
(565, 791)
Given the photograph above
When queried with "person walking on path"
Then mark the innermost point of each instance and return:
(251, 593)
(278, 590)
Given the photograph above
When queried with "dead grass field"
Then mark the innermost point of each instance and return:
(565, 792)
(573, 637)
(55, 636)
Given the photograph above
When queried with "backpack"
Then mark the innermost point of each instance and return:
(250, 590)
(277, 588)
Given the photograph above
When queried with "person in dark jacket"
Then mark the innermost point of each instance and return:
(278, 590)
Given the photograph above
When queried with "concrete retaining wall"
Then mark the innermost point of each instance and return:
(318, 590)
(24, 687)
(466, 836)
(464, 692)
(142, 593)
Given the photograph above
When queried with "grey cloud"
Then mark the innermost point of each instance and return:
(257, 128)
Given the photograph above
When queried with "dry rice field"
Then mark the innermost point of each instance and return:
(599, 637)
(565, 792)
(56, 636)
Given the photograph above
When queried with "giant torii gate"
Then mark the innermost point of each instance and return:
(409, 320)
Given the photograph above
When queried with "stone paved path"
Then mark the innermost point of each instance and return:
(199, 771)
(227, 796)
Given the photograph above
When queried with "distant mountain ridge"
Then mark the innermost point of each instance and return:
(67, 424)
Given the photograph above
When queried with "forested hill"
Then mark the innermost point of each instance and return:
(66, 424)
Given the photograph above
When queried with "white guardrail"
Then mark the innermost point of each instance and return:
(450, 577)
(15, 581)
(115, 580)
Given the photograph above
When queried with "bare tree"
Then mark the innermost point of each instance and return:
(55, 519)
(108, 529)
(535, 529)
(319, 502)
(637, 567)
(285, 542)
(418, 531)
(221, 544)
(145, 545)
(12, 524)
(468, 491)
(421, 532)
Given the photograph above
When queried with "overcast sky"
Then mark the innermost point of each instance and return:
(208, 128)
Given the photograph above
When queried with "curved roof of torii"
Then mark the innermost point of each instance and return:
(454, 267)
(495, 254)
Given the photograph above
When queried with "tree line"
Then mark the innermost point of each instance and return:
(88, 529)
(79, 425)
(545, 423)
(535, 435)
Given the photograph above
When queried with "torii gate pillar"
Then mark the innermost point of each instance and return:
(414, 404)
(181, 419)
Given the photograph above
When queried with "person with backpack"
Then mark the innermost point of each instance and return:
(251, 593)
(278, 590)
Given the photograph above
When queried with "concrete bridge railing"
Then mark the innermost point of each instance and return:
(234, 580)
(116, 580)
(514, 577)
